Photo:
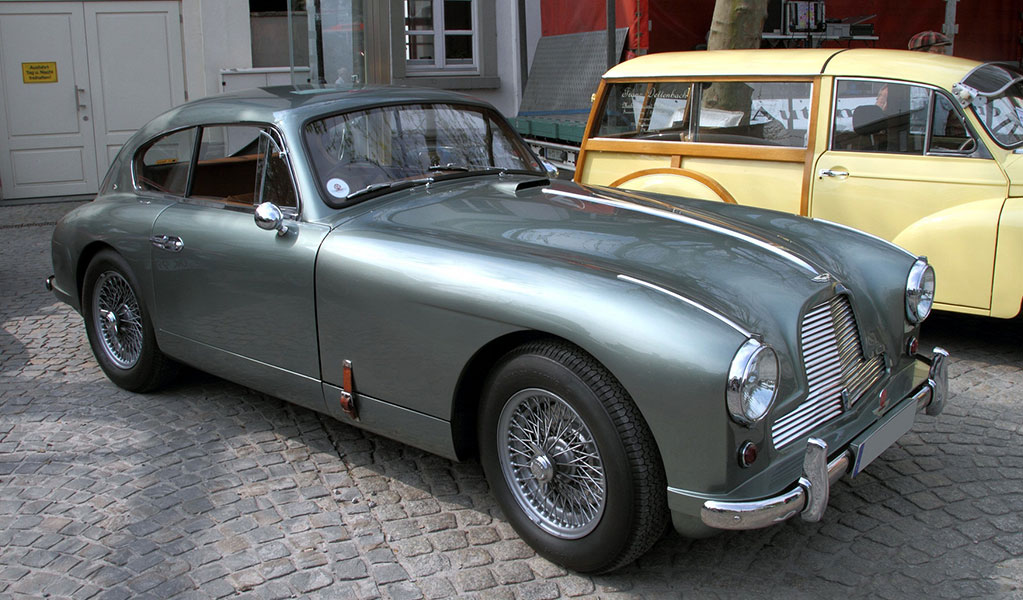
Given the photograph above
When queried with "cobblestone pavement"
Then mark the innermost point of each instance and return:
(210, 490)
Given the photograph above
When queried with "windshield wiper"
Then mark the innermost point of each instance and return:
(388, 185)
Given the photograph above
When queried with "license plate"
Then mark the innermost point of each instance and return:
(879, 438)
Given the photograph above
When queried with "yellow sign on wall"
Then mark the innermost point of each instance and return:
(39, 72)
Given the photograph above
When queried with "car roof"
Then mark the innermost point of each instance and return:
(860, 62)
(273, 104)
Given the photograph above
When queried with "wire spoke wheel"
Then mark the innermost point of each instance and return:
(552, 464)
(118, 319)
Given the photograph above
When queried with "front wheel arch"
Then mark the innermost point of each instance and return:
(593, 425)
(466, 402)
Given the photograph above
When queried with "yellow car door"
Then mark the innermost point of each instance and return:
(902, 164)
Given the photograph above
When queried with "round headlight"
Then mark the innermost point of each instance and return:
(919, 291)
(752, 382)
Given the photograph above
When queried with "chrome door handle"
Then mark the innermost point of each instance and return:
(167, 242)
(832, 173)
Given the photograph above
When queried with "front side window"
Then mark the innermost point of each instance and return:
(162, 166)
(949, 134)
(723, 112)
(897, 118)
(361, 151)
(440, 35)
(242, 165)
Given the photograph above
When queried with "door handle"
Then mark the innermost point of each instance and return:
(167, 242)
(78, 103)
(833, 173)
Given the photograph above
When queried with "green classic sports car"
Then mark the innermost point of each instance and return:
(400, 260)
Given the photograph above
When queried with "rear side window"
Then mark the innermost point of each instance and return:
(646, 110)
(760, 113)
(162, 166)
(725, 112)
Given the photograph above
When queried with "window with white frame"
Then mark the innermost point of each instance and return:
(440, 35)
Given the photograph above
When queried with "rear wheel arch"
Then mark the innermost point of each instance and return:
(85, 257)
(119, 326)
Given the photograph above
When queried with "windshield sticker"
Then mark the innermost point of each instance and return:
(338, 188)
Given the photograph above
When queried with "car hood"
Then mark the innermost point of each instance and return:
(760, 269)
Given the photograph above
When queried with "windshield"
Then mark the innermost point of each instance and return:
(999, 102)
(382, 148)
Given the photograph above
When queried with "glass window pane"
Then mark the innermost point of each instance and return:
(458, 15)
(1002, 115)
(226, 168)
(273, 182)
(337, 54)
(948, 131)
(651, 111)
(761, 113)
(163, 166)
(877, 116)
(359, 149)
(458, 48)
(419, 15)
(420, 47)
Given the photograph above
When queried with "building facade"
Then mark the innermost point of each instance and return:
(78, 77)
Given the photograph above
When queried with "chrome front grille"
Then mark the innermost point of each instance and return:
(834, 364)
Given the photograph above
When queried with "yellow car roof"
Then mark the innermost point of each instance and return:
(859, 62)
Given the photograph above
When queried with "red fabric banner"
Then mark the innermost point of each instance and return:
(558, 17)
(988, 30)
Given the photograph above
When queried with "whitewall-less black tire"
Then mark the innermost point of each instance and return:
(119, 328)
(570, 458)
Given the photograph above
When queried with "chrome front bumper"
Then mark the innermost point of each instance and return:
(810, 496)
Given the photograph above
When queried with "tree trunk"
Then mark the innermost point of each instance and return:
(737, 24)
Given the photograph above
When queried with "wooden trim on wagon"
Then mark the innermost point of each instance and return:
(697, 149)
(707, 181)
(811, 148)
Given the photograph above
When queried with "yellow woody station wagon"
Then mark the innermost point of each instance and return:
(923, 150)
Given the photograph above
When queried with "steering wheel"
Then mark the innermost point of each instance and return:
(967, 143)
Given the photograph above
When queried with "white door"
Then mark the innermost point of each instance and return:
(76, 79)
(135, 68)
(46, 134)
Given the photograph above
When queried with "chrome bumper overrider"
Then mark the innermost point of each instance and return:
(810, 496)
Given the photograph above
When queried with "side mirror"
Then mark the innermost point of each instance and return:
(552, 171)
(268, 216)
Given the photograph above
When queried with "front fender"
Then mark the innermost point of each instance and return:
(422, 312)
(1007, 291)
(964, 258)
